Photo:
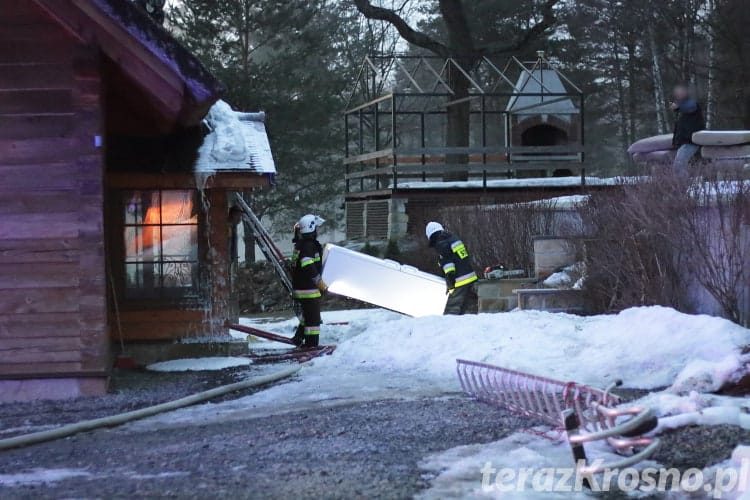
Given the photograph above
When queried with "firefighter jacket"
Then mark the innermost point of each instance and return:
(306, 267)
(454, 260)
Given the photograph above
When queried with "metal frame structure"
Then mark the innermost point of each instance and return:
(396, 112)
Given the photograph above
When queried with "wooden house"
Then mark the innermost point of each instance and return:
(117, 168)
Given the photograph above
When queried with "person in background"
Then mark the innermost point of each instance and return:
(460, 277)
(688, 120)
(306, 280)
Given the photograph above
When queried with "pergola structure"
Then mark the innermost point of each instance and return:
(524, 119)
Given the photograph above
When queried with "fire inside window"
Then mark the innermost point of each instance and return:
(161, 243)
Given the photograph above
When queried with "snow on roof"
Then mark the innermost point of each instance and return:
(237, 142)
(513, 183)
(540, 81)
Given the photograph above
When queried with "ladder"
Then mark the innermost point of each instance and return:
(265, 243)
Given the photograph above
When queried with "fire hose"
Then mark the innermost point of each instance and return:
(122, 418)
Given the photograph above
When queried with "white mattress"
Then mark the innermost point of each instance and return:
(721, 137)
(658, 157)
(383, 283)
(650, 144)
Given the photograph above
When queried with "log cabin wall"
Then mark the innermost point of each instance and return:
(53, 322)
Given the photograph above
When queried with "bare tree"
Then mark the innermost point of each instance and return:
(634, 248)
(659, 104)
(463, 48)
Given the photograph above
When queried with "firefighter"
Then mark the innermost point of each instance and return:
(306, 280)
(460, 277)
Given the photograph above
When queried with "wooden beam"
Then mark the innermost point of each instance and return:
(137, 180)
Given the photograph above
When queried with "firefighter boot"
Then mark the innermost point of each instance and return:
(299, 335)
(311, 341)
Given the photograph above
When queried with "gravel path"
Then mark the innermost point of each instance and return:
(129, 390)
(355, 450)
(362, 450)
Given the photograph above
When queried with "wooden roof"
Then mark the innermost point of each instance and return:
(178, 85)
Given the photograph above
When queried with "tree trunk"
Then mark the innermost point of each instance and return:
(711, 79)
(619, 78)
(632, 92)
(458, 125)
(658, 83)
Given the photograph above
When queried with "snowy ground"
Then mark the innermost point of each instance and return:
(383, 355)
(677, 359)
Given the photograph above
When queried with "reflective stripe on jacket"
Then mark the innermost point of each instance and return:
(306, 267)
(455, 261)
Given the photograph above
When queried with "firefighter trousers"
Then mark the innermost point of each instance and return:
(463, 300)
(310, 324)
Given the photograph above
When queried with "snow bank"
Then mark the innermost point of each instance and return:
(198, 364)
(383, 355)
(529, 466)
(645, 347)
(676, 411)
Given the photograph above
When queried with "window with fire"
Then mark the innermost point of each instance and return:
(161, 243)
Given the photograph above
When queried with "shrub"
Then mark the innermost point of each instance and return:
(662, 241)
(504, 234)
(392, 251)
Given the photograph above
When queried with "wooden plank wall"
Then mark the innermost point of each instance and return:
(52, 273)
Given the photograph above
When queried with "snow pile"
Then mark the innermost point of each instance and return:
(198, 364)
(522, 466)
(710, 375)
(676, 411)
(568, 277)
(646, 347)
(383, 355)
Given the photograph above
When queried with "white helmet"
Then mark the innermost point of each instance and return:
(310, 223)
(432, 228)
